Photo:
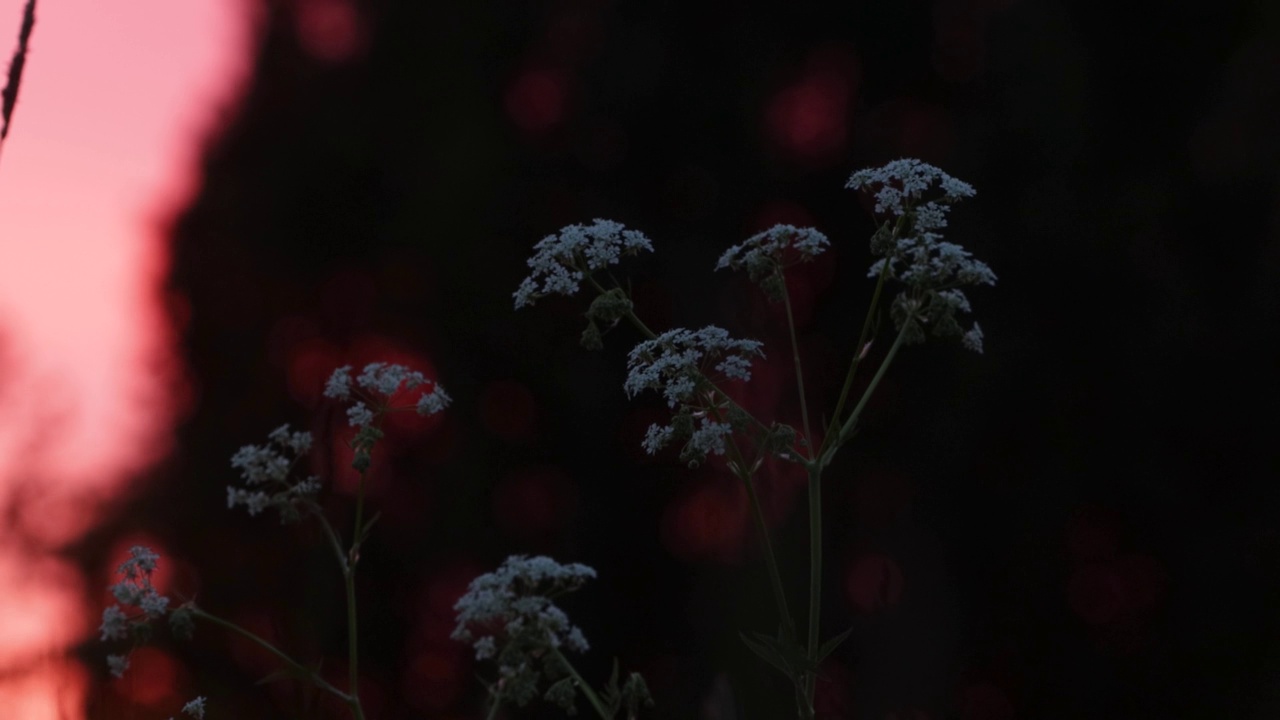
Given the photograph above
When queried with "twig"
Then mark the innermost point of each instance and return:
(10, 93)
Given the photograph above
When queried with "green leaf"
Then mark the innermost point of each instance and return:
(830, 645)
(763, 646)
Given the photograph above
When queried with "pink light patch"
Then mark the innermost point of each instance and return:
(330, 30)
(102, 150)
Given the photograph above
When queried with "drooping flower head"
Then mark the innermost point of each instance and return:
(914, 198)
(560, 262)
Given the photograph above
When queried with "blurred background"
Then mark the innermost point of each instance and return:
(207, 206)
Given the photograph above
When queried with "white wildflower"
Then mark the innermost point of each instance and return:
(195, 708)
(386, 378)
(973, 339)
(117, 664)
(560, 262)
(338, 385)
(674, 362)
(768, 248)
(268, 467)
(434, 401)
(114, 623)
(913, 252)
(359, 415)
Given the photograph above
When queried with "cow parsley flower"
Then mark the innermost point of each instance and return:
(266, 469)
(675, 363)
(134, 591)
(370, 396)
(433, 402)
(194, 708)
(766, 254)
(117, 664)
(509, 616)
(680, 364)
(916, 197)
(560, 262)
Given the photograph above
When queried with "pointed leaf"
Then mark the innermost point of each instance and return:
(831, 644)
(768, 653)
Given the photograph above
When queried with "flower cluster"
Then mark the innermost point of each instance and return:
(371, 392)
(677, 364)
(912, 251)
(560, 262)
(509, 615)
(194, 709)
(135, 592)
(765, 254)
(384, 380)
(266, 468)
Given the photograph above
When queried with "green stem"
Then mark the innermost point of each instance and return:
(795, 356)
(846, 430)
(294, 665)
(592, 698)
(353, 626)
(863, 337)
(744, 473)
(815, 577)
(493, 709)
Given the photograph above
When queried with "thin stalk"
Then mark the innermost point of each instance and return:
(9, 96)
(353, 625)
(741, 469)
(493, 709)
(815, 572)
(592, 698)
(847, 428)
(863, 337)
(280, 654)
(795, 356)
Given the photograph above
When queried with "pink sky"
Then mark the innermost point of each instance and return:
(103, 144)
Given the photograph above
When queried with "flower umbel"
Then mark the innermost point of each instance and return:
(509, 616)
(560, 262)
(766, 254)
(912, 251)
(136, 592)
(678, 363)
(266, 468)
(370, 395)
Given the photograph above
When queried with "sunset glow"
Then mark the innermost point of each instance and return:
(102, 148)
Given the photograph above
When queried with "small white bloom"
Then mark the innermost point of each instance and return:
(114, 623)
(560, 262)
(338, 386)
(768, 247)
(973, 339)
(517, 596)
(485, 648)
(434, 401)
(673, 362)
(153, 604)
(117, 664)
(656, 438)
(386, 378)
(359, 415)
(195, 708)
